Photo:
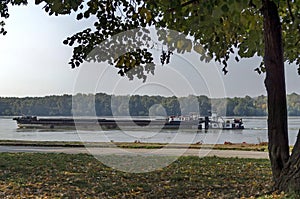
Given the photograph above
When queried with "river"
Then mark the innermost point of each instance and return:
(255, 132)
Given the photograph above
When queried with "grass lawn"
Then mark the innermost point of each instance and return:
(31, 175)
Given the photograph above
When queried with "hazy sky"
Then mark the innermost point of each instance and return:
(34, 62)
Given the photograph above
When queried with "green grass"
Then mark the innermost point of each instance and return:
(27, 175)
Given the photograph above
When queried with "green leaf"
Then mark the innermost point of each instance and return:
(225, 8)
(199, 49)
(79, 16)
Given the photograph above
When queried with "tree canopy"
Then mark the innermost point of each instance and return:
(218, 28)
(139, 105)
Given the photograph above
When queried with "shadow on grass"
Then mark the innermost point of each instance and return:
(81, 176)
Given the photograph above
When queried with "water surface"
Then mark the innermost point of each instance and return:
(255, 131)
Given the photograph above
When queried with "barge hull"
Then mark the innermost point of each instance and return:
(136, 124)
(104, 124)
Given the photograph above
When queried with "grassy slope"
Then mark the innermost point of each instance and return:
(27, 175)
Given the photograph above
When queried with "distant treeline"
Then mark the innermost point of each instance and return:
(110, 105)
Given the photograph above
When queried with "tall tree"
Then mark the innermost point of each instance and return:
(220, 28)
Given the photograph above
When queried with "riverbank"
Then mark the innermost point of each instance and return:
(52, 175)
(66, 169)
(139, 145)
(241, 150)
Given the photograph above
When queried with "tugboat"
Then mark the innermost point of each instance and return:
(217, 122)
(234, 124)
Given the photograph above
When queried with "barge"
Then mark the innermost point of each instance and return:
(172, 122)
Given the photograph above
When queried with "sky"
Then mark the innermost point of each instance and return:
(34, 62)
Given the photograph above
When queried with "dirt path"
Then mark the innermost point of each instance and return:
(129, 151)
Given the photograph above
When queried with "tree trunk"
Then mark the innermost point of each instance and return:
(285, 168)
(290, 177)
(275, 85)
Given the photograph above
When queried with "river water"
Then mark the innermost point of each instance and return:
(255, 132)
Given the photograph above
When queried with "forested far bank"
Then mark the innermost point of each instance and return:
(110, 105)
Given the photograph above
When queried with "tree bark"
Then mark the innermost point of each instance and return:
(290, 177)
(285, 168)
(275, 85)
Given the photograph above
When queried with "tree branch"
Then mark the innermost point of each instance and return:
(290, 10)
